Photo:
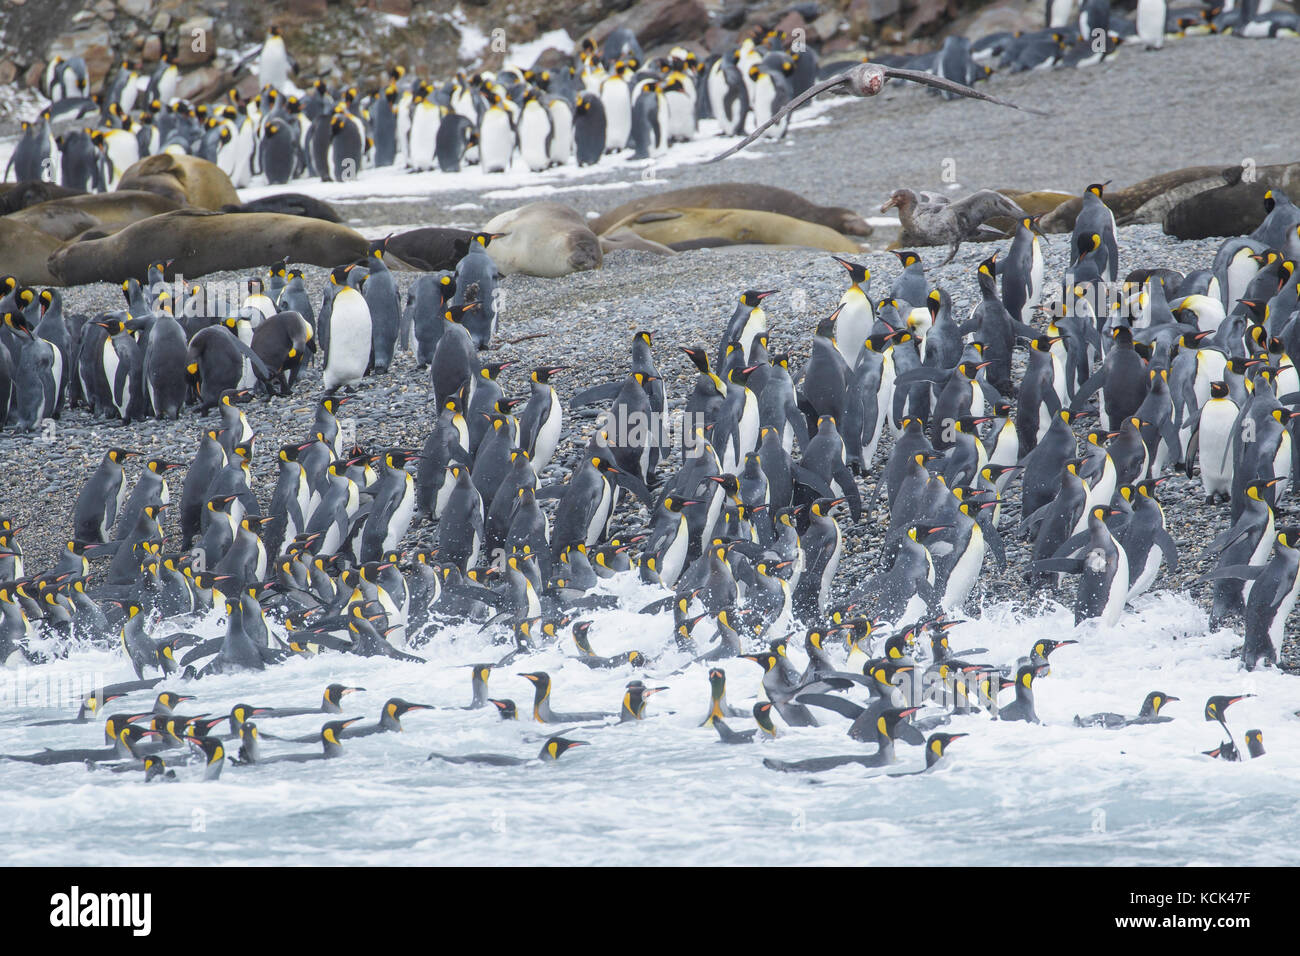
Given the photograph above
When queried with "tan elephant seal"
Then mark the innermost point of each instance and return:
(200, 242)
(26, 253)
(672, 226)
(66, 218)
(186, 179)
(754, 196)
(545, 239)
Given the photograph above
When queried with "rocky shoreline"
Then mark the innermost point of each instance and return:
(586, 321)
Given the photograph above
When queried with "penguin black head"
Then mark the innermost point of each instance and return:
(456, 313)
(699, 357)
(889, 720)
(821, 508)
(763, 717)
(884, 671)
(1255, 742)
(753, 298)
(213, 749)
(543, 373)
(168, 701)
(858, 274)
(332, 732)
(937, 745)
(555, 747)
(1097, 188)
(1044, 646)
(1154, 701)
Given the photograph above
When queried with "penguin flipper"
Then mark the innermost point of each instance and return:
(1244, 572)
(810, 479)
(656, 607)
(844, 477)
(636, 486)
(1035, 518)
(926, 724)
(841, 680)
(910, 733)
(1072, 545)
(206, 649)
(1088, 389)
(1022, 330)
(1223, 541)
(1169, 435)
(729, 736)
(1063, 565)
(595, 394)
(924, 373)
(798, 424)
(995, 543)
(840, 705)
(1166, 544)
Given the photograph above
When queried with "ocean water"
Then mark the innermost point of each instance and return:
(666, 791)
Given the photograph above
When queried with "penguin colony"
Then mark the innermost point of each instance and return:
(607, 101)
(903, 410)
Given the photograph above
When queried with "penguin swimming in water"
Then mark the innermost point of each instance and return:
(1149, 714)
(554, 748)
(887, 724)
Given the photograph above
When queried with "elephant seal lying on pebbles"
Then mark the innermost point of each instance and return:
(186, 179)
(108, 212)
(543, 239)
(672, 226)
(753, 196)
(199, 242)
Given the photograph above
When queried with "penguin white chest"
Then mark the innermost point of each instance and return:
(496, 141)
(350, 337)
(548, 435)
(534, 136)
(674, 557)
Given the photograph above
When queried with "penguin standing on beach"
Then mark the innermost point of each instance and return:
(347, 353)
(589, 126)
(384, 307)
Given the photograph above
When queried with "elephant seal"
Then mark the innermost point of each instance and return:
(290, 204)
(543, 239)
(65, 218)
(752, 196)
(200, 242)
(1125, 202)
(1038, 202)
(669, 226)
(432, 249)
(624, 238)
(27, 252)
(1223, 211)
(186, 179)
(16, 196)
